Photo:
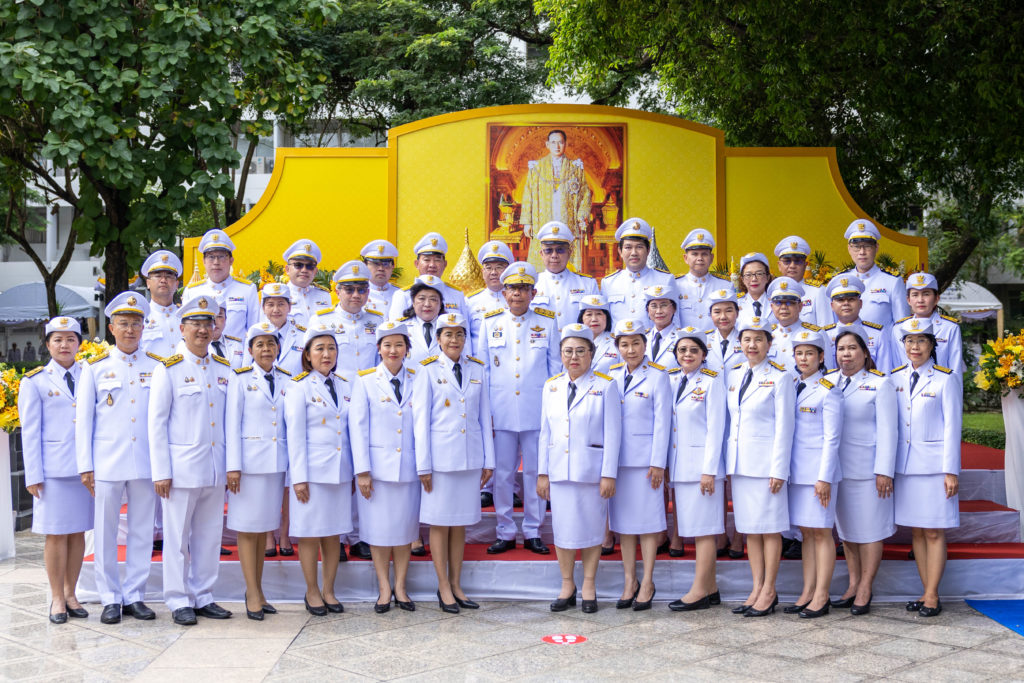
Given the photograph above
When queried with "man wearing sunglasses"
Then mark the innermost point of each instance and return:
(786, 297)
(162, 271)
(558, 288)
(792, 253)
(354, 325)
(307, 297)
(885, 295)
(379, 257)
(238, 294)
(845, 292)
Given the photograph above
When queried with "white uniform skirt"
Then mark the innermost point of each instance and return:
(327, 513)
(257, 505)
(805, 510)
(64, 506)
(454, 499)
(392, 514)
(698, 514)
(755, 509)
(636, 508)
(861, 516)
(920, 501)
(578, 514)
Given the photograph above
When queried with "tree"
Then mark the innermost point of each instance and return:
(142, 101)
(921, 99)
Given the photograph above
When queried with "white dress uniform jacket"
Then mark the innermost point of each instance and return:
(356, 335)
(290, 357)
(782, 343)
(718, 360)
(381, 429)
(319, 450)
(879, 344)
(817, 308)
(418, 348)
(239, 297)
(453, 422)
(884, 297)
(606, 354)
(480, 303)
(761, 425)
(646, 415)
(817, 432)
(306, 301)
(698, 426)
(666, 356)
(930, 418)
(692, 308)
(580, 443)
(949, 351)
(870, 433)
(561, 293)
(162, 331)
(454, 302)
(47, 410)
(256, 438)
(381, 297)
(746, 303)
(624, 290)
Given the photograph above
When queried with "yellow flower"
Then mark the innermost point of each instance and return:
(981, 381)
(1013, 381)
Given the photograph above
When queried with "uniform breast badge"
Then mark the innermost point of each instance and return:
(110, 399)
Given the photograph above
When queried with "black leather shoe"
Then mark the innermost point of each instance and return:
(360, 550)
(407, 605)
(184, 616)
(59, 617)
(715, 598)
(224, 551)
(287, 552)
(842, 604)
(930, 611)
(735, 554)
(318, 611)
(677, 552)
(795, 551)
(139, 611)
(466, 604)
(680, 606)
(269, 609)
(418, 551)
(213, 611)
(628, 602)
(795, 608)
(535, 545)
(913, 605)
(111, 614)
(815, 613)
(741, 609)
(77, 613)
(343, 557)
(450, 608)
(840, 551)
(501, 546)
(858, 610)
(762, 612)
(607, 550)
(379, 608)
(158, 545)
(517, 502)
(255, 616)
(663, 548)
(562, 604)
(334, 607)
(589, 606)
(486, 500)
(271, 552)
(639, 606)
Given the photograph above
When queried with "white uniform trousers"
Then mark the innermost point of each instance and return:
(139, 550)
(193, 524)
(507, 449)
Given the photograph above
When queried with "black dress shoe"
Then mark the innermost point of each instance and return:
(628, 602)
(486, 500)
(677, 552)
(815, 613)
(184, 616)
(639, 606)
(334, 607)
(762, 612)
(379, 608)
(735, 554)
(535, 545)
(450, 608)
(663, 548)
(342, 557)
(517, 502)
(418, 551)
(59, 617)
(255, 616)
(607, 549)
(680, 606)
(840, 551)
(224, 551)
(139, 610)
(466, 604)
(913, 605)
(111, 614)
(858, 610)
(715, 598)
(795, 551)
(795, 608)
(213, 611)
(722, 552)
(317, 611)
(269, 609)
(741, 609)
(287, 552)
(842, 604)
(501, 546)
(271, 552)
(158, 545)
(589, 606)
(360, 550)
(77, 613)
(407, 605)
(562, 604)
(930, 611)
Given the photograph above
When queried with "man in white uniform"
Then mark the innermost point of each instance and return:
(300, 264)
(493, 258)
(885, 296)
(430, 260)
(624, 289)
(792, 253)
(379, 257)
(845, 292)
(558, 288)
(693, 288)
(238, 294)
(786, 296)
(923, 298)
(162, 271)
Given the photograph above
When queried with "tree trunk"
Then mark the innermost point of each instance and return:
(115, 272)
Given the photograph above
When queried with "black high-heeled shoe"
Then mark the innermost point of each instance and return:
(407, 605)
(562, 604)
(589, 606)
(77, 612)
(735, 554)
(639, 606)
(607, 550)
(842, 604)
(815, 613)
(381, 608)
(59, 617)
(628, 602)
(466, 604)
(450, 608)
(715, 598)
(318, 611)
(676, 552)
(858, 610)
(269, 609)
(741, 609)
(255, 616)
(762, 612)
(418, 551)
(335, 607)
(680, 606)
(795, 608)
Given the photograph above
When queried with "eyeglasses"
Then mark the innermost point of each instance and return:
(789, 260)
(217, 255)
(863, 246)
(302, 265)
(569, 353)
(380, 262)
(761, 274)
(846, 297)
(548, 251)
(786, 302)
(355, 289)
(128, 325)
(199, 323)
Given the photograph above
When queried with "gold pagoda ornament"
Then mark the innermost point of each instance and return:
(466, 275)
(654, 259)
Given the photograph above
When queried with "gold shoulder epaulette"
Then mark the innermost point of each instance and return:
(679, 275)
(97, 358)
(873, 371)
(410, 371)
(544, 312)
(402, 320)
(242, 371)
(811, 326)
(242, 280)
(367, 371)
(370, 310)
(300, 376)
(602, 376)
(154, 356)
(950, 319)
(228, 336)
(902, 319)
(711, 331)
(321, 288)
(549, 378)
(656, 366)
(874, 326)
(195, 284)
(341, 377)
(616, 366)
(325, 311)
(34, 371)
(825, 383)
(830, 326)
(720, 277)
(496, 311)
(475, 292)
(221, 359)
(832, 371)
(737, 366)
(777, 366)
(428, 361)
(708, 372)
(300, 328)
(590, 277)
(172, 360)
(673, 371)
(407, 288)
(475, 360)
(662, 270)
(283, 371)
(895, 370)
(943, 369)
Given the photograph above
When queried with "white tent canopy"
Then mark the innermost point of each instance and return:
(972, 301)
(27, 303)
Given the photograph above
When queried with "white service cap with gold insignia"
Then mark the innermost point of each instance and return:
(698, 238)
(304, 249)
(792, 246)
(161, 260)
(844, 283)
(202, 306)
(634, 227)
(629, 326)
(753, 256)
(722, 295)
(577, 330)
(810, 337)
(390, 327)
(451, 320)
(131, 303)
(748, 321)
(596, 302)
(215, 239)
(432, 281)
(855, 328)
(315, 330)
(862, 229)
(63, 324)
(655, 292)
(431, 243)
(519, 273)
(277, 290)
(263, 329)
(555, 231)
(352, 271)
(494, 251)
(379, 249)
(785, 288)
(922, 281)
(692, 333)
(916, 326)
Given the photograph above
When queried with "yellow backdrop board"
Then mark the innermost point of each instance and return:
(461, 172)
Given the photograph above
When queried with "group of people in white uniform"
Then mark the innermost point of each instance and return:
(633, 408)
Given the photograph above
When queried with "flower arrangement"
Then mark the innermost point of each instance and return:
(90, 349)
(1002, 364)
(10, 382)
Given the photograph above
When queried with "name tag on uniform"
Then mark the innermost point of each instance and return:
(474, 381)
(766, 383)
(805, 409)
(451, 306)
(236, 298)
(595, 392)
(640, 394)
(929, 394)
(222, 381)
(576, 291)
(866, 387)
(880, 290)
(697, 397)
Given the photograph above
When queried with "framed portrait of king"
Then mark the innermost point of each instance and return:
(574, 173)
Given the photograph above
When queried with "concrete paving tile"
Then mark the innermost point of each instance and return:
(25, 669)
(383, 665)
(800, 649)
(58, 639)
(222, 654)
(1012, 644)
(861, 661)
(176, 675)
(735, 636)
(682, 651)
(979, 661)
(948, 634)
(10, 651)
(836, 636)
(281, 625)
(530, 661)
(767, 667)
(914, 650)
(929, 672)
(121, 651)
(319, 631)
(698, 672)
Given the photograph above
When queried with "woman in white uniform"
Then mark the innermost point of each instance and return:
(638, 507)
(62, 508)
(596, 315)
(421, 317)
(319, 464)
(695, 462)
(384, 459)
(257, 457)
(867, 456)
(454, 452)
(580, 435)
(814, 471)
(930, 401)
(761, 399)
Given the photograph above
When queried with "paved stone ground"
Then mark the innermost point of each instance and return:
(502, 640)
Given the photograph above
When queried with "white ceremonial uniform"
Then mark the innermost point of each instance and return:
(112, 442)
(306, 301)
(237, 295)
(817, 308)
(666, 356)
(692, 309)
(578, 446)
(721, 361)
(290, 356)
(46, 407)
(606, 354)
(867, 449)
(760, 444)
(949, 351)
(187, 446)
(418, 347)
(636, 508)
(233, 350)
(884, 297)
(561, 293)
(521, 353)
(879, 344)
(257, 446)
(356, 337)
(380, 298)
(624, 291)
(745, 303)
(382, 431)
(454, 302)
(699, 423)
(454, 438)
(930, 419)
(162, 331)
(817, 430)
(319, 454)
(479, 303)
(782, 342)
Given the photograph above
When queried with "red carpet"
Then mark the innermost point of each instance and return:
(975, 457)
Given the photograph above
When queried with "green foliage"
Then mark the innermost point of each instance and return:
(984, 437)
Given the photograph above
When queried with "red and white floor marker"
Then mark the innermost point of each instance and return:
(564, 639)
